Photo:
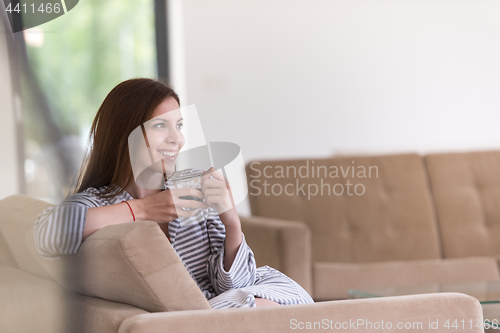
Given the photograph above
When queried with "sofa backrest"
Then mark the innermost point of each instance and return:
(17, 215)
(466, 190)
(372, 208)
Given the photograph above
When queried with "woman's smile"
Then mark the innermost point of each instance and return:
(168, 154)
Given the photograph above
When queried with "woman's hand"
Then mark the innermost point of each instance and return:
(218, 195)
(165, 206)
(216, 190)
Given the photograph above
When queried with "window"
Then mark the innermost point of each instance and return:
(76, 60)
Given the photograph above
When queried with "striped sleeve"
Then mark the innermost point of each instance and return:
(243, 270)
(58, 230)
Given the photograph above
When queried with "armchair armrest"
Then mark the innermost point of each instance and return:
(284, 245)
(131, 263)
(374, 315)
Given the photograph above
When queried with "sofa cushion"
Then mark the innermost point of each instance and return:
(333, 280)
(33, 304)
(466, 189)
(131, 263)
(390, 218)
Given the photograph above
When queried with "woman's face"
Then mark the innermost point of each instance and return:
(163, 133)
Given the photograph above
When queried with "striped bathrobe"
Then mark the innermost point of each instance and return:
(199, 242)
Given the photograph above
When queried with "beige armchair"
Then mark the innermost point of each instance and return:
(126, 278)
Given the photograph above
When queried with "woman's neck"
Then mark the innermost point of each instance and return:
(147, 183)
(138, 192)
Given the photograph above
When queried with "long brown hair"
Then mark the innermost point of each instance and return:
(126, 107)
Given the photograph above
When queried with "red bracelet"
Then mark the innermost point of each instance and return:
(130, 209)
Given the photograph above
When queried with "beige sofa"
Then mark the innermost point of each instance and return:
(126, 278)
(401, 219)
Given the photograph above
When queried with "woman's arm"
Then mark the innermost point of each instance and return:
(218, 195)
(232, 263)
(60, 230)
(234, 236)
(242, 270)
(161, 207)
(99, 217)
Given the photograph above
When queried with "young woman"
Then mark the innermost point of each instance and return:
(211, 246)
